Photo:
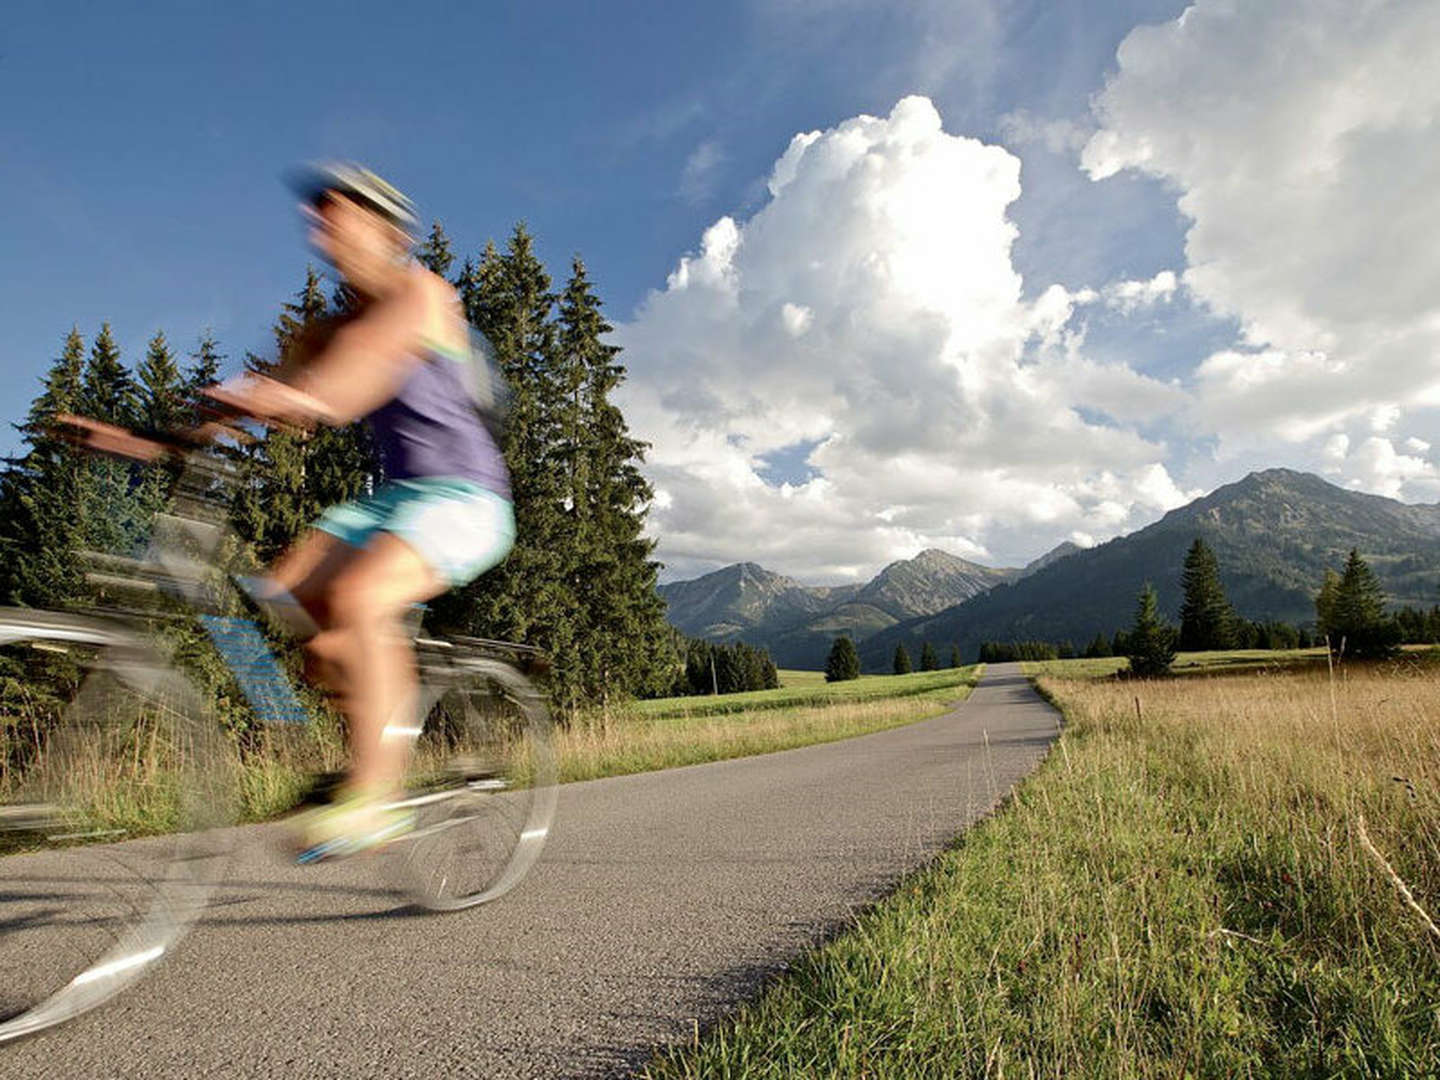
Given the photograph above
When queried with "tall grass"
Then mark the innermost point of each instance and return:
(592, 748)
(1208, 883)
(126, 779)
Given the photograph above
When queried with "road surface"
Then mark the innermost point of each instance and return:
(661, 901)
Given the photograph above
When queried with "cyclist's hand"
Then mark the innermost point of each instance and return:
(107, 438)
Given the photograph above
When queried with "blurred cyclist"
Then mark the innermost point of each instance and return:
(441, 517)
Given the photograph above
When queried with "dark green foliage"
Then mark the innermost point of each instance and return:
(955, 660)
(1205, 615)
(1353, 614)
(1099, 647)
(1418, 627)
(42, 494)
(619, 617)
(901, 664)
(580, 583)
(726, 669)
(1004, 652)
(843, 663)
(1151, 640)
(435, 252)
(928, 660)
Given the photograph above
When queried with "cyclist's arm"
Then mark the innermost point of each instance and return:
(367, 361)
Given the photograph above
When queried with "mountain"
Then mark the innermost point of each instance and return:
(930, 582)
(797, 623)
(1055, 554)
(1274, 534)
(730, 602)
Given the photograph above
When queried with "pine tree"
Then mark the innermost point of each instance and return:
(162, 407)
(1358, 615)
(435, 253)
(955, 656)
(843, 662)
(109, 517)
(619, 631)
(928, 660)
(43, 492)
(204, 370)
(1205, 615)
(1151, 640)
(902, 660)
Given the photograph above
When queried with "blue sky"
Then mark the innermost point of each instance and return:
(143, 145)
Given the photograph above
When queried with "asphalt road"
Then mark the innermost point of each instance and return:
(661, 901)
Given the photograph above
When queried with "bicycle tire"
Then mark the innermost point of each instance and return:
(482, 785)
(98, 883)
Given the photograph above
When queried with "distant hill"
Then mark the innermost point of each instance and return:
(797, 623)
(1274, 533)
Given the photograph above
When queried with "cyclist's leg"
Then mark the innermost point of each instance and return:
(364, 602)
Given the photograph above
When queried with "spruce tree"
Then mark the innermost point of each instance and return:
(109, 515)
(43, 493)
(955, 656)
(1205, 615)
(619, 631)
(1358, 615)
(435, 252)
(928, 660)
(843, 662)
(1151, 640)
(902, 660)
(162, 407)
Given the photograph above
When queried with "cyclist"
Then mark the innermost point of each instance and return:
(441, 516)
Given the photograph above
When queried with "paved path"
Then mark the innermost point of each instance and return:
(662, 899)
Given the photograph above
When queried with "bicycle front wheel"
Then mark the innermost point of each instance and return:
(108, 807)
(481, 784)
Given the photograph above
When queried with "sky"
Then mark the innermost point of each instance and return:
(976, 275)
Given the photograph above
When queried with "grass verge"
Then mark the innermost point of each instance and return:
(1236, 879)
(663, 739)
(795, 691)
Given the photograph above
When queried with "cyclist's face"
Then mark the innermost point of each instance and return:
(351, 237)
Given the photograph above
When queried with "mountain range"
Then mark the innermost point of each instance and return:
(746, 602)
(1274, 534)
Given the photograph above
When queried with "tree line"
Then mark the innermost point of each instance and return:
(712, 668)
(1350, 616)
(579, 583)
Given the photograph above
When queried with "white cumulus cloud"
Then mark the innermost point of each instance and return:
(1303, 141)
(870, 314)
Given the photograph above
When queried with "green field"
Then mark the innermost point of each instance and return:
(808, 688)
(1237, 877)
(670, 732)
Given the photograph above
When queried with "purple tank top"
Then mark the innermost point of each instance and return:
(430, 428)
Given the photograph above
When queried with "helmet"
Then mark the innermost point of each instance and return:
(354, 182)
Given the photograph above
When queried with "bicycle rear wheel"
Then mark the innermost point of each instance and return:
(482, 785)
(107, 808)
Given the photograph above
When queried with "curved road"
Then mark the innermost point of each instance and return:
(661, 901)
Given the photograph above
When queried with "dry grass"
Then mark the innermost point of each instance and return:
(591, 748)
(1235, 878)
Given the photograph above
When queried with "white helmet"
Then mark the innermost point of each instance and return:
(314, 181)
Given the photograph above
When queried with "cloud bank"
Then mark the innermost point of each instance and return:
(870, 314)
(1304, 144)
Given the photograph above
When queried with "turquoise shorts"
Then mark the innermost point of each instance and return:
(458, 527)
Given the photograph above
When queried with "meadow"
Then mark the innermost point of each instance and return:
(1233, 872)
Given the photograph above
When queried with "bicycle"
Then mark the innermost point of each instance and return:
(113, 823)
